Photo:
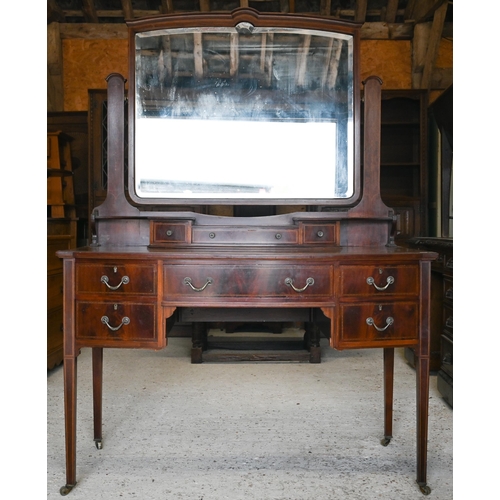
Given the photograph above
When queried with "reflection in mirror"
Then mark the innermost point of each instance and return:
(244, 113)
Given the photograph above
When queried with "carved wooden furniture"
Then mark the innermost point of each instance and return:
(403, 159)
(441, 331)
(61, 235)
(338, 263)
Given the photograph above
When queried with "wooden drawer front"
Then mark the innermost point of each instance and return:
(245, 235)
(121, 278)
(127, 321)
(54, 291)
(318, 234)
(368, 324)
(164, 233)
(247, 281)
(390, 280)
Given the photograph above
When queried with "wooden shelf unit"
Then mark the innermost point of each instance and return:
(403, 160)
(61, 235)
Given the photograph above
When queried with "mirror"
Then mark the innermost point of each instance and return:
(243, 114)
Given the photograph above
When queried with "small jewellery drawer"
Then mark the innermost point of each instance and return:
(164, 233)
(197, 282)
(317, 234)
(366, 325)
(112, 321)
(377, 280)
(116, 277)
(245, 235)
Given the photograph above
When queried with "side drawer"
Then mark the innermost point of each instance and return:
(195, 282)
(373, 324)
(320, 234)
(366, 281)
(112, 322)
(116, 277)
(165, 233)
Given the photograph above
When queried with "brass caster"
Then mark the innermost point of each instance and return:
(426, 490)
(386, 440)
(66, 489)
(98, 443)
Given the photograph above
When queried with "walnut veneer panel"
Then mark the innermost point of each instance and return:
(232, 282)
(115, 323)
(121, 277)
(365, 325)
(362, 280)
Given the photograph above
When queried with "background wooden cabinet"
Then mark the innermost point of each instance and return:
(61, 235)
(403, 160)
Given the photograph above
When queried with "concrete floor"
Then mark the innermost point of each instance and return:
(252, 431)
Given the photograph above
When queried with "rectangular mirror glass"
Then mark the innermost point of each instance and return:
(243, 113)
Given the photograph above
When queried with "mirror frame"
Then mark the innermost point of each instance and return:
(231, 20)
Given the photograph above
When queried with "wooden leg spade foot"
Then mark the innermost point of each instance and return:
(66, 489)
(426, 490)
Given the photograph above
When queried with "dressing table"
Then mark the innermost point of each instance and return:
(244, 108)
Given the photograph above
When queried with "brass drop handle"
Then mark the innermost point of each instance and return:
(389, 321)
(124, 281)
(189, 281)
(371, 281)
(309, 282)
(125, 321)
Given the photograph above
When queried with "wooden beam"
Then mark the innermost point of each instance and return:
(128, 10)
(198, 55)
(424, 10)
(391, 11)
(166, 7)
(300, 72)
(234, 60)
(419, 50)
(92, 31)
(89, 11)
(386, 31)
(334, 65)
(54, 12)
(55, 100)
(360, 11)
(325, 7)
(205, 5)
(369, 31)
(433, 46)
(410, 7)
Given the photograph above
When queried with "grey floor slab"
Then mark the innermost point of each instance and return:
(252, 431)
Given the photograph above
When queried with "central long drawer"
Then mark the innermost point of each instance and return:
(300, 283)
